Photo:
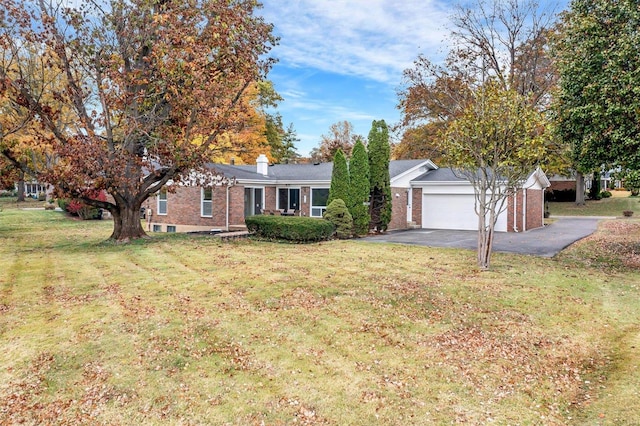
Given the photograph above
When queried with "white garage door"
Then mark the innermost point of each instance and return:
(453, 211)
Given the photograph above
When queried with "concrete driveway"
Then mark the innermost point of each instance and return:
(544, 242)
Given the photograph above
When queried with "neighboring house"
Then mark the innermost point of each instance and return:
(423, 196)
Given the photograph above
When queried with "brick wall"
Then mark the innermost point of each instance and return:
(184, 208)
(398, 209)
(561, 185)
(416, 206)
(535, 208)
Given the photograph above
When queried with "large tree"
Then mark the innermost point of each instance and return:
(495, 143)
(487, 101)
(379, 179)
(597, 106)
(152, 85)
(506, 40)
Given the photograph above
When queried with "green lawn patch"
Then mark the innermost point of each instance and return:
(184, 329)
(613, 206)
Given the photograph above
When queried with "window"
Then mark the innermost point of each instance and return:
(157, 228)
(206, 209)
(319, 197)
(162, 202)
(289, 198)
(171, 228)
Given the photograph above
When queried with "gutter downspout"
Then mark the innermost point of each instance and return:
(524, 209)
(227, 210)
(515, 212)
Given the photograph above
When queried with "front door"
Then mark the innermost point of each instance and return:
(253, 203)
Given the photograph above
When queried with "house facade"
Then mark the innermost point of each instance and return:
(421, 197)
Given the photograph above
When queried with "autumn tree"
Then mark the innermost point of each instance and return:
(495, 143)
(505, 40)
(340, 182)
(359, 189)
(487, 102)
(597, 104)
(23, 157)
(341, 137)
(152, 85)
(379, 178)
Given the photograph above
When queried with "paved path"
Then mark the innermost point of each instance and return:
(544, 242)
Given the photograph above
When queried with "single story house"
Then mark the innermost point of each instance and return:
(424, 196)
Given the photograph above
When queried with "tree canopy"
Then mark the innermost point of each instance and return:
(506, 41)
(597, 106)
(151, 86)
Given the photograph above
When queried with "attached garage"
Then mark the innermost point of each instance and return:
(448, 202)
(453, 211)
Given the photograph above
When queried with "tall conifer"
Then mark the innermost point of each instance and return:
(360, 189)
(339, 179)
(379, 153)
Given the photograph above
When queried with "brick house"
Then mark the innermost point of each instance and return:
(304, 189)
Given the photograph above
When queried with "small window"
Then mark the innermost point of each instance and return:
(319, 197)
(162, 202)
(157, 228)
(171, 228)
(206, 209)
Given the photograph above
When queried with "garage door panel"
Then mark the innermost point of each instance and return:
(453, 211)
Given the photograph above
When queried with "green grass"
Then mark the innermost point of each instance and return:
(613, 206)
(187, 330)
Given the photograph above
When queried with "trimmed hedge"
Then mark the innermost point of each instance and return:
(290, 228)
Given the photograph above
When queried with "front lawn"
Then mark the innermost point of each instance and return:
(188, 330)
(613, 206)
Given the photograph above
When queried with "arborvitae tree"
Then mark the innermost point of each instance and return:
(379, 152)
(338, 214)
(360, 189)
(339, 179)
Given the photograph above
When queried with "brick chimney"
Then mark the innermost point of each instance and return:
(263, 164)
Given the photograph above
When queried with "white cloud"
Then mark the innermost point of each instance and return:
(375, 39)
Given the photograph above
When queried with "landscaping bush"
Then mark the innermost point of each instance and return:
(63, 203)
(605, 194)
(290, 228)
(338, 214)
(82, 210)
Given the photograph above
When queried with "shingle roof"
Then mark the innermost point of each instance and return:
(300, 172)
(440, 175)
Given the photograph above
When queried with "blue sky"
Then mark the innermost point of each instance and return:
(343, 59)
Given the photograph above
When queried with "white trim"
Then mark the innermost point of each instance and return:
(203, 201)
(404, 179)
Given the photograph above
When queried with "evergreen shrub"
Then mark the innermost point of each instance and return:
(338, 214)
(290, 228)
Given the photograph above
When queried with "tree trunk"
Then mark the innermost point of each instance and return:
(579, 189)
(126, 223)
(485, 239)
(20, 186)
